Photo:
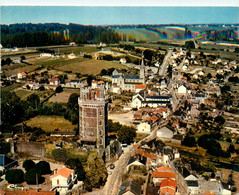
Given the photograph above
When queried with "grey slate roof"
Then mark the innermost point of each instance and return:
(130, 186)
(131, 76)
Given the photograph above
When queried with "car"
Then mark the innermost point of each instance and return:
(112, 166)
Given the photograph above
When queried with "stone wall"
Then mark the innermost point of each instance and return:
(31, 148)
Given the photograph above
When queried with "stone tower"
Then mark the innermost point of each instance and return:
(93, 116)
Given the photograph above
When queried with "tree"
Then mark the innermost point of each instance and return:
(190, 45)
(33, 100)
(28, 164)
(22, 58)
(33, 177)
(73, 100)
(41, 88)
(126, 134)
(8, 61)
(231, 149)
(89, 80)
(219, 119)
(59, 89)
(14, 176)
(59, 155)
(43, 167)
(189, 141)
(77, 166)
(5, 147)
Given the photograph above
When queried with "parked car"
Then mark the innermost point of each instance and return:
(112, 166)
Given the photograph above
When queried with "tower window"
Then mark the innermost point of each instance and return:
(100, 122)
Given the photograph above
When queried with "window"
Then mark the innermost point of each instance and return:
(100, 122)
(58, 182)
(100, 113)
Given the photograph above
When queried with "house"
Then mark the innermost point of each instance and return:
(123, 61)
(144, 128)
(46, 55)
(116, 89)
(163, 173)
(182, 90)
(130, 188)
(21, 75)
(164, 133)
(192, 184)
(138, 88)
(136, 160)
(54, 81)
(137, 100)
(17, 61)
(71, 56)
(63, 180)
(168, 186)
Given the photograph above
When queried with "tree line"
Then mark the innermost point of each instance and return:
(27, 34)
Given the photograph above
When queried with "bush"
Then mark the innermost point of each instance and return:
(14, 176)
(28, 164)
(33, 177)
(59, 89)
(59, 155)
(43, 167)
(189, 141)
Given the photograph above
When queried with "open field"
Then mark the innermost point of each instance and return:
(25, 68)
(23, 94)
(63, 96)
(122, 118)
(11, 87)
(90, 66)
(50, 123)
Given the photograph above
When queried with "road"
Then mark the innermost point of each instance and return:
(164, 65)
(114, 180)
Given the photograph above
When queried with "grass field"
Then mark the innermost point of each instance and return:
(23, 94)
(50, 123)
(63, 97)
(11, 87)
(26, 68)
(90, 66)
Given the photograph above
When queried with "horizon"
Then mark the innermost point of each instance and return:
(120, 15)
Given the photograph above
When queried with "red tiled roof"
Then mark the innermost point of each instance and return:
(136, 145)
(163, 174)
(140, 86)
(167, 191)
(54, 79)
(23, 73)
(168, 183)
(164, 169)
(65, 172)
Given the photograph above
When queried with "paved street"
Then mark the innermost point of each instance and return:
(163, 67)
(114, 180)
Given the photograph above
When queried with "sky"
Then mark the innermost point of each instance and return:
(106, 12)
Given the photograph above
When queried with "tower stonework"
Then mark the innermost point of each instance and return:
(93, 117)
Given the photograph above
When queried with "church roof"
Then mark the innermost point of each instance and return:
(132, 76)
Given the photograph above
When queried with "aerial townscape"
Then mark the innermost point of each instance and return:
(118, 109)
